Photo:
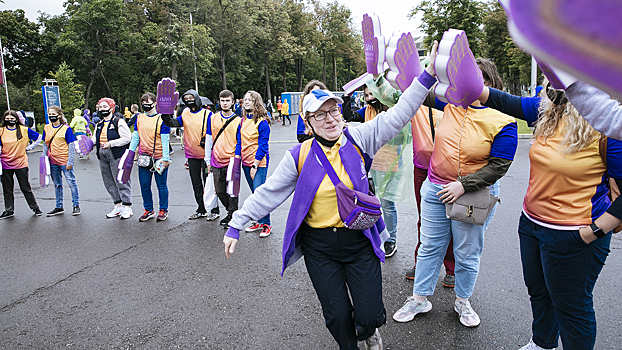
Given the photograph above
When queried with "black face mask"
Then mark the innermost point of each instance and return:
(54, 119)
(147, 107)
(191, 104)
(11, 122)
(104, 113)
(375, 103)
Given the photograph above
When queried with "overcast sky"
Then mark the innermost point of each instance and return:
(392, 13)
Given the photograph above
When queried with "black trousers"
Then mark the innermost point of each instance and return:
(196, 167)
(342, 264)
(220, 184)
(7, 188)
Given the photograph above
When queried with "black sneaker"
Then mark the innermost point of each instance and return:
(56, 211)
(38, 212)
(76, 211)
(389, 249)
(225, 221)
(6, 215)
(449, 281)
(410, 273)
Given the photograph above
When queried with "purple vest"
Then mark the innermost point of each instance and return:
(311, 175)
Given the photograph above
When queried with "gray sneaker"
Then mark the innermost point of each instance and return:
(411, 308)
(374, 342)
(212, 216)
(468, 316)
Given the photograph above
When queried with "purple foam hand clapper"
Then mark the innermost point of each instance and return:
(580, 37)
(125, 166)
(44, 171)
(460, 80)
(403, 59)
(167, 96)
(373, 42)
(83, 145)
(233, 176)
(355, 84)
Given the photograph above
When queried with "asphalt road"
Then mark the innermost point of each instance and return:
(88, 282)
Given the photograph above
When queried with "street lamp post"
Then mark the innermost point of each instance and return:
(194, 57)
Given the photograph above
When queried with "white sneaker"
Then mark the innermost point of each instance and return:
(532, 346)
(115, 212)
(411, 308)
(374, 342)
(468, 317)
(126, 212)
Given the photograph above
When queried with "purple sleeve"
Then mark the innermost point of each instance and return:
(264, 137)
(426, 79)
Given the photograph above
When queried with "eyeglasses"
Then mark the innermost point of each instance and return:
(335, 112)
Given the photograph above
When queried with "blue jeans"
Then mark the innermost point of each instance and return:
(436, 232)
(57, 178)
(260, 179)
(144, 177)
(560, 271)
(389, 214)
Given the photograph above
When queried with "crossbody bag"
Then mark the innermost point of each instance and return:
(357, 210)
(472, 207)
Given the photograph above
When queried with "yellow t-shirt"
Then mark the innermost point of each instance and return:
(324, 211)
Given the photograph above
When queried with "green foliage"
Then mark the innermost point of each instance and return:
(71, 94)
(441, 15)
(513, 64)
(121, 49)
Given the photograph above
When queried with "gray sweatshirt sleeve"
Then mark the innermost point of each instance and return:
(597, 107)
(374, 134)
(267, 197)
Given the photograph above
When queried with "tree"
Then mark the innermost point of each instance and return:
(71, 94)
(513, 64)
(441, 15)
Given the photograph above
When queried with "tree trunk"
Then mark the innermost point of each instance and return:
(223, 72)
(268, 92)
(298, 69)
(28, 92)
(88, 90)
(323, 65)
(174, 70)
(284, 75)
(334, 73)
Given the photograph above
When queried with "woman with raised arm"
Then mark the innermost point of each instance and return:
(343, 263)
(564, 231)
(473, 149)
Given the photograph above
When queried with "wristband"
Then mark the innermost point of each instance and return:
(253, 166)
(598, 232)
